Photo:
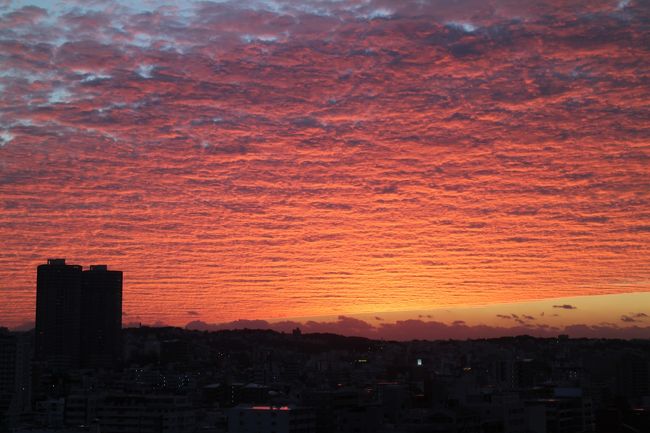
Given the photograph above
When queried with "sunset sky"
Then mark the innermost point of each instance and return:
(437, 161)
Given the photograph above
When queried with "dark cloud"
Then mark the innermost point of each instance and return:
(517, 318)
(26, 16)
(193, 313)
(633, 317)
(593, 219)
(565, 307)
(428, 330)
(343, 325)
(639, 229)
(520, 239)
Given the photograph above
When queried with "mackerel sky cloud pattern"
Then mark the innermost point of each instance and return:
(263, 159)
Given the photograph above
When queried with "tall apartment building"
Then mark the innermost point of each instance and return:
(78, 316)
(58, 314)
(101, 317)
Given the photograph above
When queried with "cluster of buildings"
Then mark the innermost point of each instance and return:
(78, 326)
(158, 380)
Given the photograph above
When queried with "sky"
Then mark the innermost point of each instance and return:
(274, 160)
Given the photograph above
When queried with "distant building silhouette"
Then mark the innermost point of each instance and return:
(15, 383)
(58, 309)
(117, 412)
(101, 317)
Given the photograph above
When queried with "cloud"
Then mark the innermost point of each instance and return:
(23, 17)
(343, 325)
(5, 138)
(565, 307)
(593, 219)
(193, 313)
(521, 319)
(463, 26)
(380, 13)
(633, 317)
(404, 330)
(341, 155)
(155, 324)
(145, 71)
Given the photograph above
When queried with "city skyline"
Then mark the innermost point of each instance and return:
(274, 160)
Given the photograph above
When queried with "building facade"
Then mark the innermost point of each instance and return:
(101, 317)
(58, 310)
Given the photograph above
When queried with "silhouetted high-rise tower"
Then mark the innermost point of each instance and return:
(78, 316)
(58, 308)
(101, 317)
